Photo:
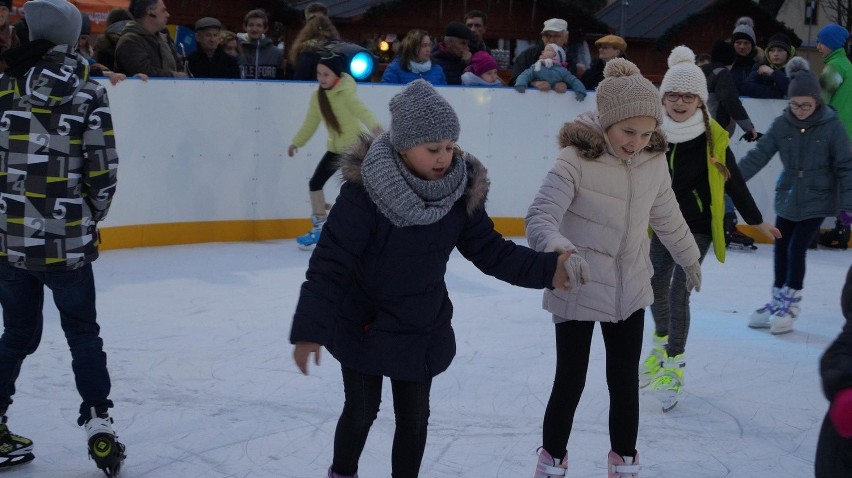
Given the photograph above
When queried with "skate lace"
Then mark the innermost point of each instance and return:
(787, 302)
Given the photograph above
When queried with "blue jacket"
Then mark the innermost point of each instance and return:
(395, 74)
(817, 159)
(552, 75)
(761, 86)
(375, 294)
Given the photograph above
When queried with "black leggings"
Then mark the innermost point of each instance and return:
(791, 249)
(325, 170)
(363, 396)
(623, 341)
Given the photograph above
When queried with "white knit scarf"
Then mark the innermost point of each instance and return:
(684, 131)
(420, 67)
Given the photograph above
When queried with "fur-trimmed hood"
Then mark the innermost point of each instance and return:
(587, 136)
(476, 192)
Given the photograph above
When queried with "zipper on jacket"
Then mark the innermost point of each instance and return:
(698, 201)
(619, 290)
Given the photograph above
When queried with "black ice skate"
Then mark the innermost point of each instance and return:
(104, 447)
(837, 238)
(14, 450)
(734, 239)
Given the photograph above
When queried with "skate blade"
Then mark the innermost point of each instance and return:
(740, 247)
(16, 460)
(306, 247)
(668, 405)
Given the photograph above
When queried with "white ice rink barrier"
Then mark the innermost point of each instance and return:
(206, 160)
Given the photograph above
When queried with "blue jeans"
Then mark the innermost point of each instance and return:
(22, 298)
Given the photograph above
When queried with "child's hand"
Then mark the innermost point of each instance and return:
(541, 85)
(572, 271)
(560, 87)
(768, 230)
(521, 88)
(693, 276)
(302, 353)
(580, 95)
(292, 150)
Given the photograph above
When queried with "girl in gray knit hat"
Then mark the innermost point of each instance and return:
(610, 183)
(816, 183)
(375, 295)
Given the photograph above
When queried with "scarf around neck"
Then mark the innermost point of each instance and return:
(807, 122)
(402, 197)
(684, 131)
(420, 67)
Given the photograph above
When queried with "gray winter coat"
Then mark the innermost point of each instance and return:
(601, 205)
(817, 176)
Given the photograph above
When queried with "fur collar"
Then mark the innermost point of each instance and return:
(475, 194)
(590, 143)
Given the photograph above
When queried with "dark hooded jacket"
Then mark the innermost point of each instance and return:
(834, 453)
(60, 161)
(375, 294)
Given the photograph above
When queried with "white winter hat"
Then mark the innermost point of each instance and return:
(560, 52)
(684, 76)
(54, 20)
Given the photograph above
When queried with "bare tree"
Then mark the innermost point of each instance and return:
(838, 11)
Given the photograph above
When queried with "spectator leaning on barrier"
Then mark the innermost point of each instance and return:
(260, 59)
(107, 41)
(482, 71)
(142, 48)
(555, 31)
(724, 102)
(209, 60)
(549, 72)
(414, 61)
(453, 53)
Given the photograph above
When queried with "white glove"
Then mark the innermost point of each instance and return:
(693, 276)
(577, 269)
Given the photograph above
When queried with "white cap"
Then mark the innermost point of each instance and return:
(555, 25)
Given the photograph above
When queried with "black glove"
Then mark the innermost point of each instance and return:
(747, 137)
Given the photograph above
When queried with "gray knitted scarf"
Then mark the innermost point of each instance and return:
(402, 197)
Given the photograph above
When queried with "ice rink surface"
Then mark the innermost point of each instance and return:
(205, 386)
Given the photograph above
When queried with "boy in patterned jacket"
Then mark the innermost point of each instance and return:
(57, 177)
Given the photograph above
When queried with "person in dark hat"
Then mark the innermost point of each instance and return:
(209, 60)
(84, 46)
(748, 53)
(452, 54)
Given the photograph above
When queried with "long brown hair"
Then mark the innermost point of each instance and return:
(326, 111)
(410, 47)
(317, 28)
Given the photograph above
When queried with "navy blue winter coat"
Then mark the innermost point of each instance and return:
(375, 295)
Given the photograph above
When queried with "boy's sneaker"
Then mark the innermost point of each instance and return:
(548, 466)
(651, 366)
(760, 318)
(309, 240)
(623, 466)
(14, 449)
(668, 386)
(104, 447)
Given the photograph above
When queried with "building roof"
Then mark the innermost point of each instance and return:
(341, 8)
(649, 18)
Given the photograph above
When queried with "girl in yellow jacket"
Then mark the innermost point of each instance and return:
(703, 170)
(337, 105)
